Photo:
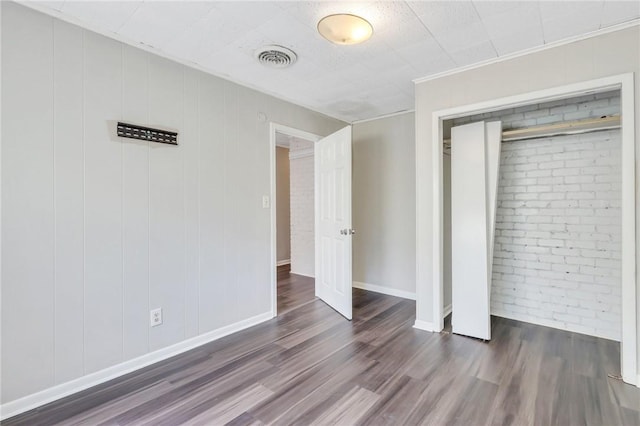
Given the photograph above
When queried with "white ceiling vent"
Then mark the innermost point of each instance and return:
(275, 56)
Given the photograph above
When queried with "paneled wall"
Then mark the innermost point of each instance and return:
(98, 230)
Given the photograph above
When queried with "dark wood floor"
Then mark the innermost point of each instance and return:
(311, 366)
(293, 290)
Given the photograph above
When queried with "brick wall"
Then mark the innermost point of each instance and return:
(557, 254)
(302, 208)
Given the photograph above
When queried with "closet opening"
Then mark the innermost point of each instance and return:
(563, 250)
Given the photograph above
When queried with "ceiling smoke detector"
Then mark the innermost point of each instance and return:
(275, 56)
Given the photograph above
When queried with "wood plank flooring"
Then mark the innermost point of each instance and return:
(293, 290)
(311, 366)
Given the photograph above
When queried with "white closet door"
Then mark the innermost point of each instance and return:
(475, 158)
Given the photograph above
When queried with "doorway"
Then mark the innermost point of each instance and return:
(331, 240)
(294, 222)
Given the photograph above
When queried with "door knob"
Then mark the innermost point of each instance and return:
(352, 231)
(347, 231)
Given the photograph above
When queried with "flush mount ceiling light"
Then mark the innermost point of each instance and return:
(345, 29)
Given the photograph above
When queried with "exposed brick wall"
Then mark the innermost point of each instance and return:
(302, 208)
(557, 253)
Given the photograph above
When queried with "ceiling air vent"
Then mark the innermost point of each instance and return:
(275, 56)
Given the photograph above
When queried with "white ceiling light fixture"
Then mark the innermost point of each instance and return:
(275, 56)
(345, 28)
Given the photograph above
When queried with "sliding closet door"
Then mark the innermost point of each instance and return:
(475, 154)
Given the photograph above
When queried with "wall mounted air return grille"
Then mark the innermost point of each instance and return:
(132, 131)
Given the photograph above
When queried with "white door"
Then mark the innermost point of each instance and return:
(333, 220)
(475, 159)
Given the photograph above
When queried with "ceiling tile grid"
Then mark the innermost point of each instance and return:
(411, 39)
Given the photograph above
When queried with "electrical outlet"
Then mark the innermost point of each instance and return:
(156, 317)
(265, 202)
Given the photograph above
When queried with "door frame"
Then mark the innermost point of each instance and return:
(622, 82)
(297, 133)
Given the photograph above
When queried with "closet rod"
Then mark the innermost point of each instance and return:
(565, 128)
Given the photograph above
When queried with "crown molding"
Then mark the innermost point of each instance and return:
(518, 54)
(383, 116)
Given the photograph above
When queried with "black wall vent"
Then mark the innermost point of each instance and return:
(133, 131)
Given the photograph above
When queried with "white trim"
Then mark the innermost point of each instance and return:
(54, 393)
(611, 29)
(301, 274)
(380, 117)
(424, 325)
(301, 134)
(385, 290)
(623, 82)
(629, 342)
(446, 310)
(283, 262)
(545, 323)
(307, 152)
(123, 39)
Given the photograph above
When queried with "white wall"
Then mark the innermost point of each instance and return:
(283, 223)
(446, 233)
(302, 207)
(604, 55)
(384, 203)
(96, 230)
(557, 254)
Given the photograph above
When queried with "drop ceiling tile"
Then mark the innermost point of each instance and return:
(248, 43)
(550, 10)
(474, 54)
(411, 31)
(211, 33)
(517, 41)
(105, 15)
(291, 34)
(156, 23)
(390, 61)
(487, 9)
(584, 20)
(251, 13)
(524, 17)
(615, 12)
(463, 38)
(442, 16)
(427, 57)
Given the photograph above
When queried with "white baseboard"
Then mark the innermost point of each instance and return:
(542, 322)
(29, 402)
(423, 325)
(283, 262)
(385, 290)
(446, 310)
(300, 273)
